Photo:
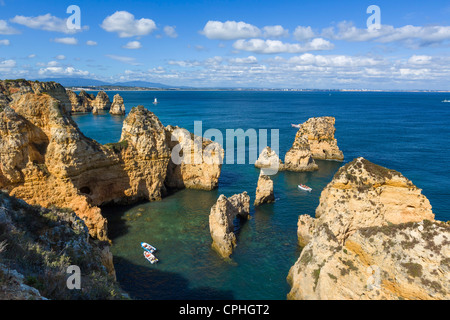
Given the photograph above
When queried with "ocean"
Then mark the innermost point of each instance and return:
(407, 132)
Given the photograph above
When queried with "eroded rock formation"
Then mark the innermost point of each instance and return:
(221, 221)
(101, 102)
(46, 160)
(117, 106)
(197, 163)
(269, 162)
(374, 237)
(264, 190)
(299, 157)
(81, 102)
(319, 132)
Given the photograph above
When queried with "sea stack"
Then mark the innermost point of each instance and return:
(264, 190)
(117, 106)
(221, 226)
(101, 102)
(319, 132)
(299, 157)
(269, 162)
(199, 164)
(374, 237)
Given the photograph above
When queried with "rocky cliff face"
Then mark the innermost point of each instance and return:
(46, 160)
(221, 221)
(319, 132)
(299, 157)
(199, 163)
(374, 237)
(81, 102)
(36, 247)
(264, 190)
(117, 106)
(101, 102)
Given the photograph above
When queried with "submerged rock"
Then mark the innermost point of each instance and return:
(221, 218)
(374, 237)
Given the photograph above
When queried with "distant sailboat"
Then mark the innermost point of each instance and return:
(155, 101)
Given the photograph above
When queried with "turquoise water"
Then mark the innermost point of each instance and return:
(408, 132)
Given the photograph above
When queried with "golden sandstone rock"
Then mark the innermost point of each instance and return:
(374, 237)
(46, 160)
(221, 226)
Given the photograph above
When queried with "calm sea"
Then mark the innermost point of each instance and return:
(408, 132)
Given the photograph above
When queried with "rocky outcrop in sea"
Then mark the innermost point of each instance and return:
(374, 237)
(264, 190)
(269, 162)
(221, 218)
(47, 161)
(117, 106)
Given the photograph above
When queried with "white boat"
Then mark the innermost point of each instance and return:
(303, 187)
(155, 101)
(148, 247)
(150, 257)
(445, 100)
(295, 125)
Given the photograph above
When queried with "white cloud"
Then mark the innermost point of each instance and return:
(276, 46)
(247, 60)
(6, 29)
(46, 22)
(419, 60)
(421, 35)
(170, 31)
(127, 60)
(126, 26)
(4, 42)
(230, 30)
(303, 33)
(275, 31)
(91, 43)
(334, 61)
(133, 45)
(65, 71)
(7, 65)
(31, 56)
(68, 40)
(60, 57)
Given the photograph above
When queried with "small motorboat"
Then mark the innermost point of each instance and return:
(148, 247)
(445, 100)
(295, 125)
(155, 101)
(150, 257)
(303, 187)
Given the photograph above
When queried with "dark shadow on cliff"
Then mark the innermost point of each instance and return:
(149, 283)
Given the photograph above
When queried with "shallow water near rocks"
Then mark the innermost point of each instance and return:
(407, 132)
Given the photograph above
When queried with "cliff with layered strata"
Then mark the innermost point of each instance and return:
(117, 106)
(319, 133)
(374, 237)
(46, 160)
(299, 157)
(198, 161)
(221, 218)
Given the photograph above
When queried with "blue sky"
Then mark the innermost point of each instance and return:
(275, 44)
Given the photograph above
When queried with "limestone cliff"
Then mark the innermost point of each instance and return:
(198, 161)
(264, 190)
(81, 102)
(374, 237)
(101, 102)
(117, 106)
(221, 220)
(319, 132)
(299, 157)
(37, 245)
